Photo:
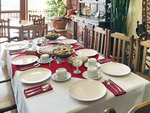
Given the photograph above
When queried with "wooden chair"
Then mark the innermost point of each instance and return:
(140, 58)
(32, 17)
(34, 31)
(4, 76)
(89, 34)
(109, 110)
(117, 47)
(4, 31)
(101, 40)
(40, 22)
(81, 33)
(7, 101)
(143, 107)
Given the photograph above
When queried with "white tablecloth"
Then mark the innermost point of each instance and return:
(58, 100)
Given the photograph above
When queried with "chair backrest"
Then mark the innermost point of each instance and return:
(32, 17)
(140, 57)
(5, 29)
(121, 48)
(109, 110)
(101, 40)
(40, 21)
(143, 107)
(34, 31)
(89, 34)
(81, 32)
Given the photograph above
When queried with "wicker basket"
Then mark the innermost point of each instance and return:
(59, 24)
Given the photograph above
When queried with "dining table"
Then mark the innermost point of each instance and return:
(18, 25)
(59, 100)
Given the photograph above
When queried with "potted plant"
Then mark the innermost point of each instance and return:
(57, 11)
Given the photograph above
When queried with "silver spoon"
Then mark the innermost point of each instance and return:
(43, 88)
(108, 83)
(111, 82)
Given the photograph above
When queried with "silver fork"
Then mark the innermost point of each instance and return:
(108, 83)
(42, 88)
(111, 82)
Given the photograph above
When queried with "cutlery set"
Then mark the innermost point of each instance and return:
(37, 90)
(29, 67)
(113, 87)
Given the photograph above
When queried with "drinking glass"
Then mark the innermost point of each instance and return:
(77, 64)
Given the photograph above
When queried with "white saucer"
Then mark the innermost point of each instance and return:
(97, 65)
(84, 74)
(48, 61)
(60, 80)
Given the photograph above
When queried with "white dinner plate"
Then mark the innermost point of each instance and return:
(86, 52)
(69, 41)
(87, 90)
(24, 60)
(115, 69)
(35, 75)
(17, 46)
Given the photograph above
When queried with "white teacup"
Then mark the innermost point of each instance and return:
(92, 62)
(92, 72)
(44, 57)
(61, 73)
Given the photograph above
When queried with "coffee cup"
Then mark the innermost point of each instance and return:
(44, 57)
(92, 72)
(61, 73)
(92, 62)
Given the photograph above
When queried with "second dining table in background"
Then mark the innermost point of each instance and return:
(18, 25)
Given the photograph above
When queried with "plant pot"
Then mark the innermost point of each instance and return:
(59, 24)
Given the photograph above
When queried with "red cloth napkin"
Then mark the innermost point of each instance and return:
(112, 90)
(105, 60)
(38, 90)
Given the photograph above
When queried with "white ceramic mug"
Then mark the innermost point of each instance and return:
(44, 57)
(92, 62)
(92, 72)
(61, 73)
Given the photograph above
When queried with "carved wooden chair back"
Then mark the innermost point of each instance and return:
(4, 30)
(101, 40)
(143, 107)
(120, 48)
(34, 31)
(40, 22)
(140, 58)
(81, 33)
(89, 34)
(32, 17)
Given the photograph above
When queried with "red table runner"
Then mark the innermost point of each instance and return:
(54, 66)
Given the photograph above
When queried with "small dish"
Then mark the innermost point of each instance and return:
(97, 64)
(54, 77)
(84, 74)
(48, 61)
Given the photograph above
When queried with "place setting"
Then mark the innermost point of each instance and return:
(17, 47)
